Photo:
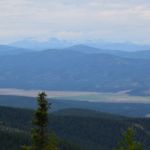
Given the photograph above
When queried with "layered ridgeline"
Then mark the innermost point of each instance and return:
(85, 129)
(75, 69)
(60, 43)
(128, 53)
(122, 109)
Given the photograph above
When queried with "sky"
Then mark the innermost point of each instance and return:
(110, 20)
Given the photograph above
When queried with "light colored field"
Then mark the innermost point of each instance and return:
(52, 94)
(121, 97)
(110, 98)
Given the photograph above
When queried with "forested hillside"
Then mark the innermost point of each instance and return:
(84, 72)
(125, 109)
(93, 131)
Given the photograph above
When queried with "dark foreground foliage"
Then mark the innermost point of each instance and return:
(98, 133)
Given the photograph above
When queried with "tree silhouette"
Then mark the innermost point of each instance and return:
(41, 139)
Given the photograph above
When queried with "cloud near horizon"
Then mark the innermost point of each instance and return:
(112, 20)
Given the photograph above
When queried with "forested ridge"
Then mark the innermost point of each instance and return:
(89, 132)
(50, 70)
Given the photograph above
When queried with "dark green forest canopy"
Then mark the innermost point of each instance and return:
(88, 132)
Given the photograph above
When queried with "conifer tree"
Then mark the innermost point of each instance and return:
(129, 142)
(41, 140)
(40, 133)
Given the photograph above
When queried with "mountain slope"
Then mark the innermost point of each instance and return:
(71, 70)
(78, 112)
(142, 54)
(10, 50)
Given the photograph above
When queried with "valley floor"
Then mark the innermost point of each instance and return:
(118, 97)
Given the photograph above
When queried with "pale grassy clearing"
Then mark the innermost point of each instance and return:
(120, 97)
(51, 94)
(109, 98)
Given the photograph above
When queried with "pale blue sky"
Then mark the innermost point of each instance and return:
(111, 20)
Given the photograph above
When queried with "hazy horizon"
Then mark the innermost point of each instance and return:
(109, 20)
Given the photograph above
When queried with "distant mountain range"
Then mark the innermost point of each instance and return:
(41, 45)
(59, 43)
(143, 54)
(78, 68)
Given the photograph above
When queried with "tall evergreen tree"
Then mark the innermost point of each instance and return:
(40, 133)
(129, 142)
(41, 140)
